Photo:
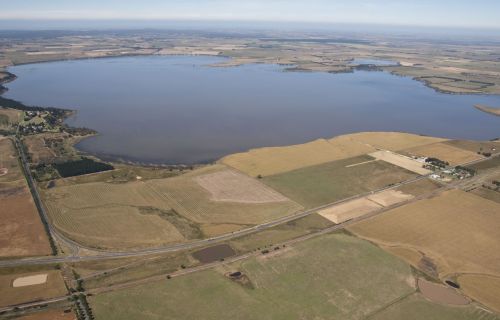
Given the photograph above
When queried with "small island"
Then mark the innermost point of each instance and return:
(491, 110)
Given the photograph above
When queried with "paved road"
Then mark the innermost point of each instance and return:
(239, 257)
(104, 254)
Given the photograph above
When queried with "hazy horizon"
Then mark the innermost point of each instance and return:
(482, 14)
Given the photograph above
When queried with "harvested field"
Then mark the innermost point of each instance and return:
(419, 187)
(457, 231)
(359, 207)
(9, 295)
(393, 141)
(232, 186)
(51, 315)
(218, 229)
(8, 161)
(21, 231)
(486, 165)
(487, 194)
(475, 146)
(446, 152)
(400, 161)
(150, 213)
(349, 210)
(389, 197)
(275, 160)
(30, 280)
(271, 161)
(440, 293)
(340, 285)
(333, 181)
(483, 288)
(214, 253)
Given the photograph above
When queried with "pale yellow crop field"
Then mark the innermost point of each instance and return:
(274, 160)
(483, 288)
(446, 152)
(400, 161)
(457, 230)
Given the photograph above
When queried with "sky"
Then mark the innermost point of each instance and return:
(432, 13)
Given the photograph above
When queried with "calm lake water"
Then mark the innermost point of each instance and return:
(179, 110)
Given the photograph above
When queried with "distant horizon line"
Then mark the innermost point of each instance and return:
(241, 22)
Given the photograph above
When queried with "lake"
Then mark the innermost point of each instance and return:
(178, 109)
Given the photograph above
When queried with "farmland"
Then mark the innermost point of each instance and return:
(446, 152)
(109, 215)
(353, 281)
(272, 161)
(322, 184)
(51, 315)
(483, 288)
(9, 118)
(400, 161)
(361, 206)
(9, 295)
(456, 231)
(21, 231)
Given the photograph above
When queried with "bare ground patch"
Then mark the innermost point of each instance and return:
(441, 294)
(232, 186)
(400, 161)
(359, 207)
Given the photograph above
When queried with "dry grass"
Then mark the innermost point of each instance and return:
(482, 288)
(151, 212)
(21, 231)
(419, 187)
(37, 149)
(270, 161)
(50, 315)
(475, 146)
(9, 117)
(54, 287)
(446, 152)
(232, 186)
(329, 182)
(393, 141)
(457, 230)
(400, 161)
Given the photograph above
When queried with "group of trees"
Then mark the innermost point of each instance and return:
(82, 166)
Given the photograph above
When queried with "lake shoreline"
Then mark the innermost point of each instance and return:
(126, 160)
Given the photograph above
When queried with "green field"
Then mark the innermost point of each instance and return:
(416, 307)
(331, 277)
(335, 276)
(322, 184)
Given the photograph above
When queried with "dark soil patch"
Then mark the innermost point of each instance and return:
(428, 266)
(452, 284)
(214, 253)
